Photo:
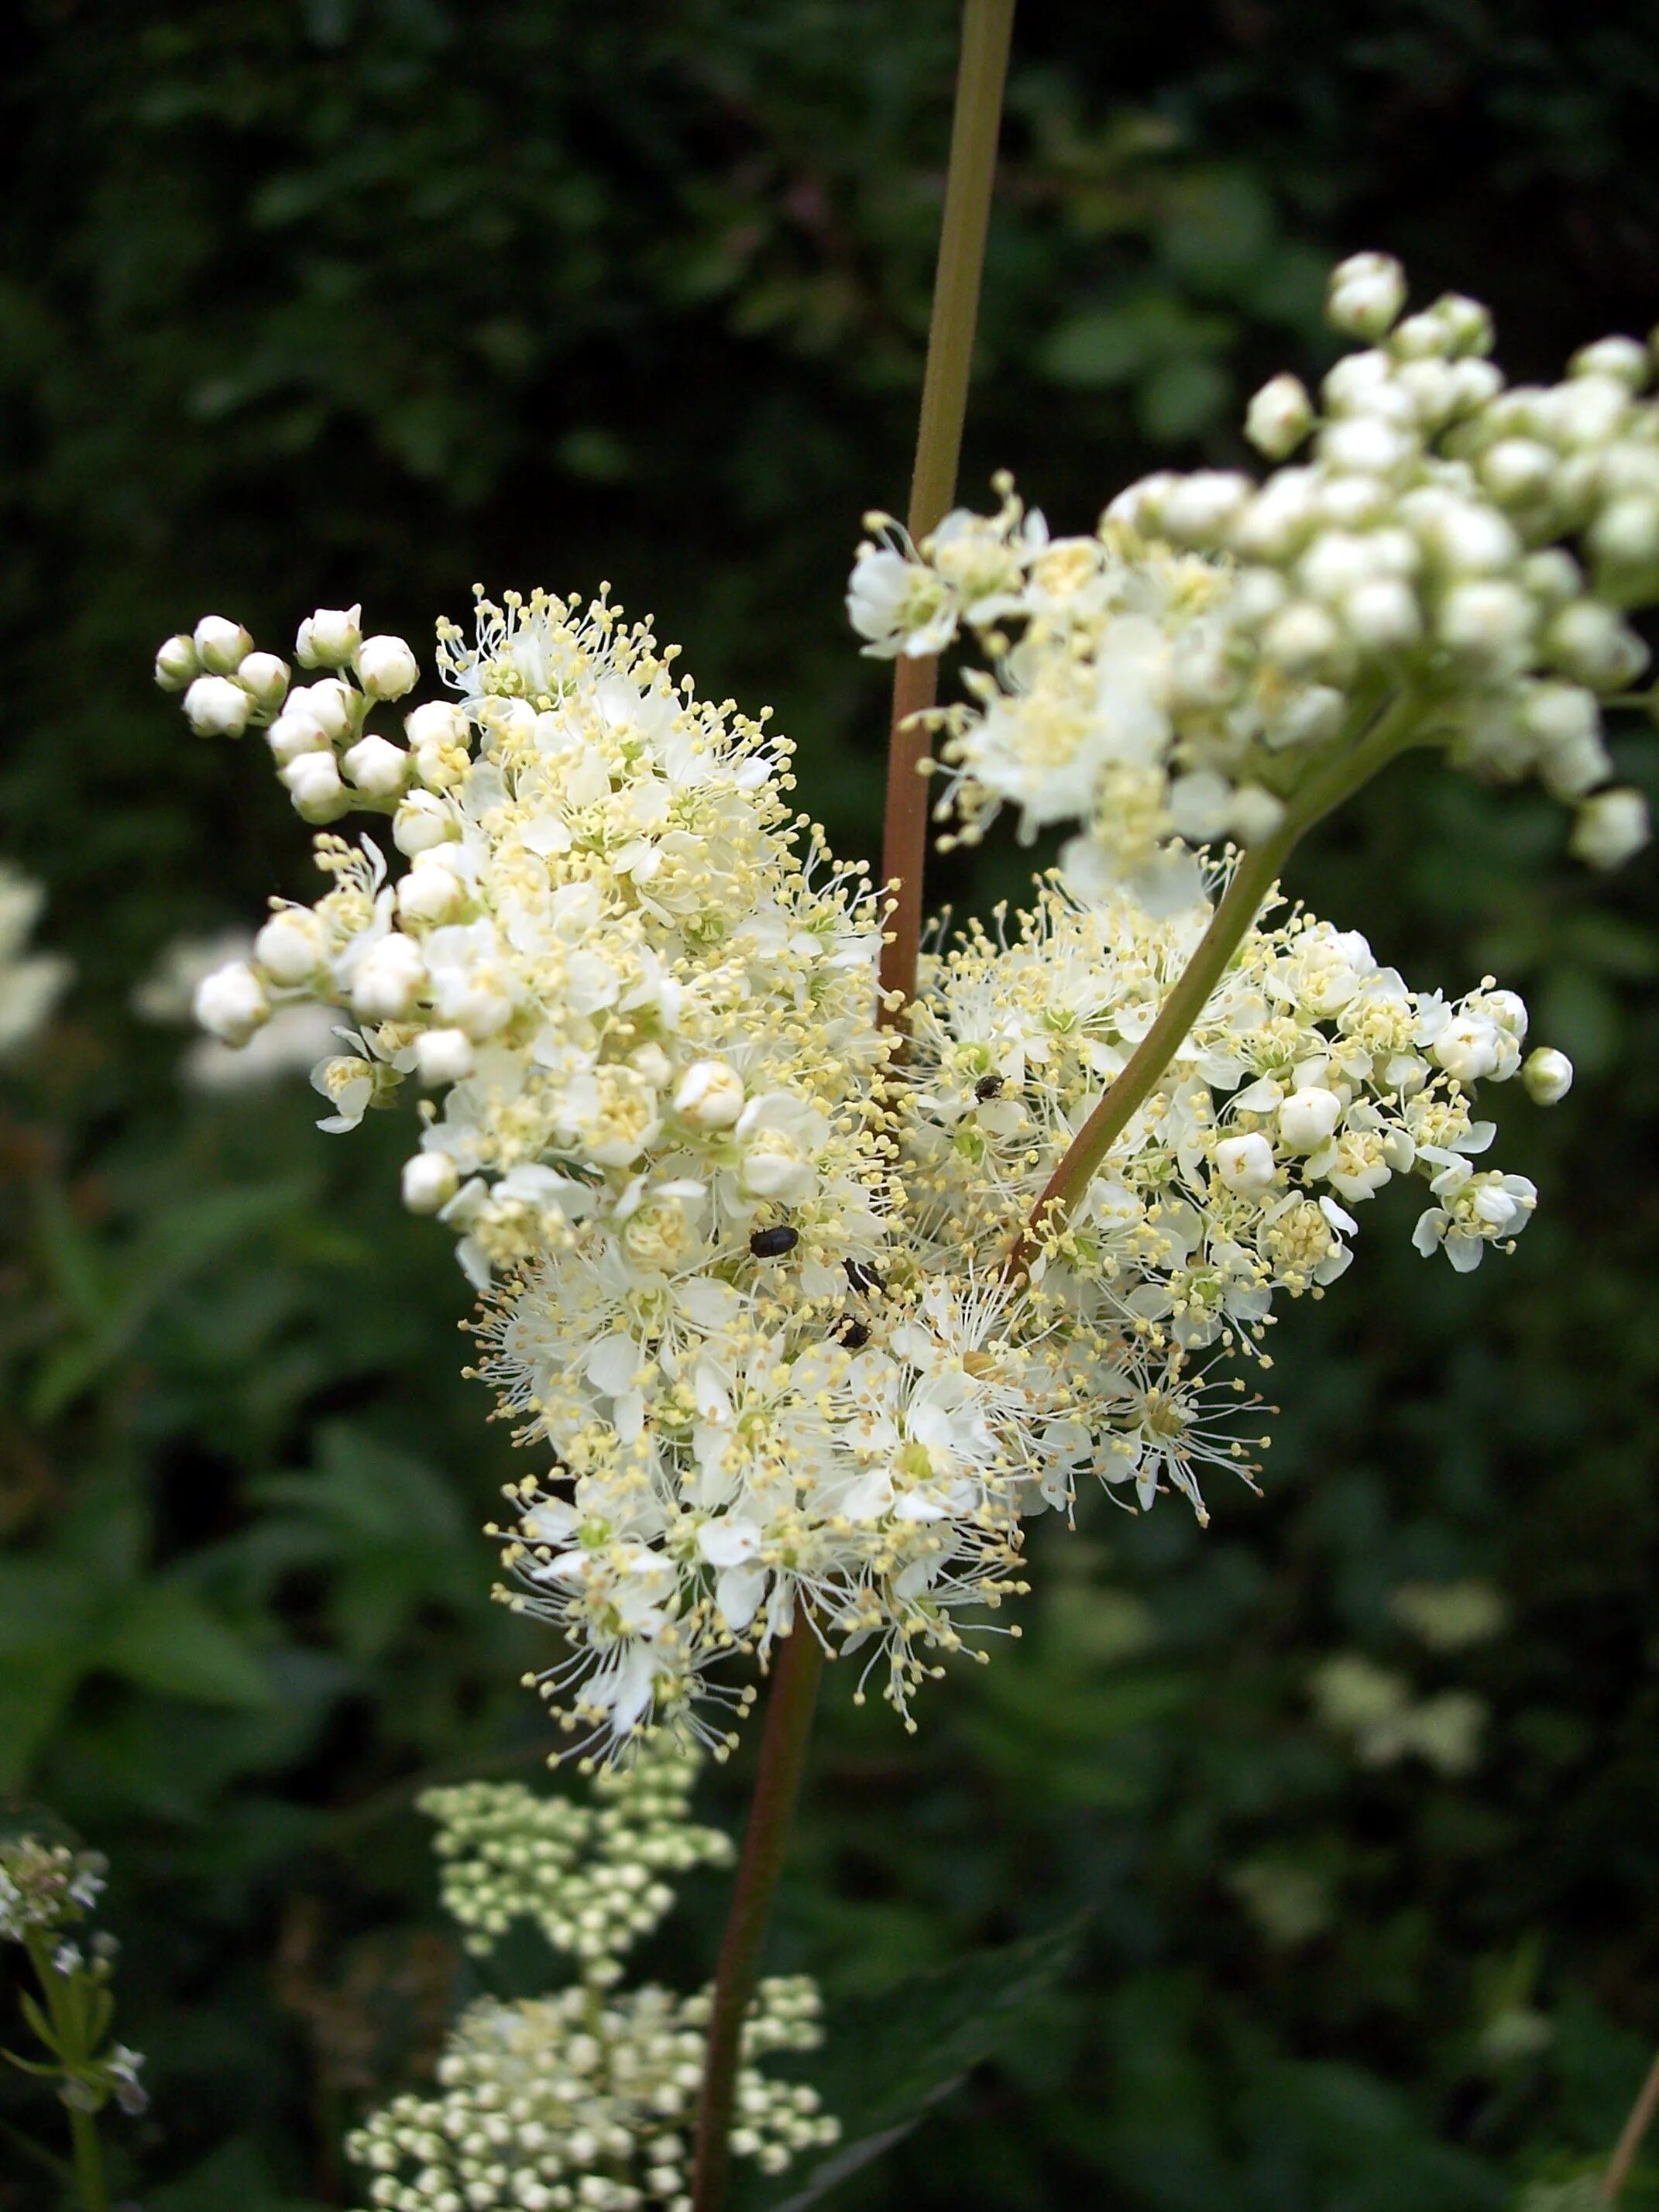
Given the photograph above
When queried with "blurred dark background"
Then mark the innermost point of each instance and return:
(303, 304)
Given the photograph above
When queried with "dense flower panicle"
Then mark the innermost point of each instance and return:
(1194, 667)
(30, 983)
(585, 2098)
(591, 1877)
(747, 1287)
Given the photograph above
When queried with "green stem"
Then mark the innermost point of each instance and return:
(1390, 732)
(1630, 2139)
(986, 27)
(771, 1812)
(68, 2013)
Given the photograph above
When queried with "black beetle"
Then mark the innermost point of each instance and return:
(855, 1335)
(988, 1087)
(772, 1243)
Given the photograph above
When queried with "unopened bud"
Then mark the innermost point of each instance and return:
(422, 820)
(265, 678)
(429, 1181)
(1279, 417)
(390, 978)
(1366, 293)
(377, 767)
(1245, 1163)
(216, 708)
(443, 1056)
(1546, 1076)
(1610, 828)
(221, 645)
(290, 948)
(329, 638)
(385, 667)
(710, 1096)
(177, 663)
(313, 781)
(230, 1003)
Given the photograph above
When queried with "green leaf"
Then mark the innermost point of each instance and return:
(888, 2058)
(168, 1641)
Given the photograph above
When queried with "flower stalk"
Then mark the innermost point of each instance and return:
(975, 126)
(986, 27)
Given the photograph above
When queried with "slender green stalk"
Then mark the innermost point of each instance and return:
(1390, 732)
(771, 1813)
(71, 2026)
(1630, 2140)
(986, 27)
(986, 30)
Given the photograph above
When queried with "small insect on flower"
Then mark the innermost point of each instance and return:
(987, 1087)
(772, 1243)
(855, 1335)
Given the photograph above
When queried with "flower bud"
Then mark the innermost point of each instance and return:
(390, 978)
(429, 1181)
(1625, 534)
(290, 948)
(1489, 622)
(1383, 616)
(1361, 445)
(431, 893)
(1254, 815)
(221, 645)
(1625, 359)
(1366, 293)
(385, 667)
(1466, 322)
(294, 732)
(176, 662)
(710, 1096)
(1201, 802)
(313, 781)
(230, 1003)
(1279, 417)
(1546, 1076)
(1301, 637)
(377, 767)
(443, 1056)
(422, 820)
(265, 678)
(216, 708)
(1610, 828)
(329, 638)
(1245, 1164)
(1307, 1117)
(330, 703)
(1517, 470)
(1199, 509)
(1589, 641)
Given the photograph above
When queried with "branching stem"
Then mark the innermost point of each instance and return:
(986, 30)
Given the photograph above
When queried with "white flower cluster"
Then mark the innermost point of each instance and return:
(591, 1877)
(1221, 649)
(746, 1281)
(1312, 1078)
(45, 1885)
(30, 983)
(584, 2098)
(577, 2100)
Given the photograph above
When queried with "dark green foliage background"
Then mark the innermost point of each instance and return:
(306, 302)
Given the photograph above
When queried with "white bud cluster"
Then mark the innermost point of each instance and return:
(573, 2103)
(30, 983)
(590, 1877)
(1451, 565)
(583, 2101)
(45, 1889)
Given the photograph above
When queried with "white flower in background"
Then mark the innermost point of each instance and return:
(291, 1040)
(31, 983)
(1221, 644)
(587, 2097)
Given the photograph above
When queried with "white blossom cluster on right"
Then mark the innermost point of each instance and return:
(1461, 550)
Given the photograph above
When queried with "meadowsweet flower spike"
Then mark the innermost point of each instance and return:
(582, 2098)
(1221, 651)
(746, 1282)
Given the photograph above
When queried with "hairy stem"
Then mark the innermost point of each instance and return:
(777, 1785)
(986, 26)
(1630, 2139)
(1389, 732)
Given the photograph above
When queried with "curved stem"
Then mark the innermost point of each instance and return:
(986, 27)
(777, 1786)
(1630, 2140)
(1390, 732)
